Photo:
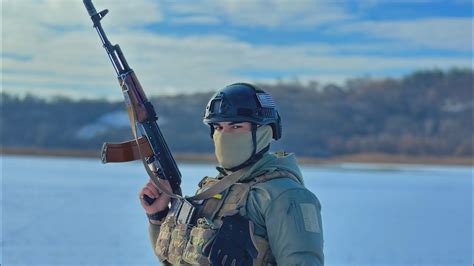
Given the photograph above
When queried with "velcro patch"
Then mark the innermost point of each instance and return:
(310, 217)
(217, 196)
(266, 100)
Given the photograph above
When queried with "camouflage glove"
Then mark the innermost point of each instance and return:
(233, 244)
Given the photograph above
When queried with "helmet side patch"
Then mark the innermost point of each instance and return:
(265, 100)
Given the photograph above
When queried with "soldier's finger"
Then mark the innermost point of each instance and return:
(153, 188)
(151, 193)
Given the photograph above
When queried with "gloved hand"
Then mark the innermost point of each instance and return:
(233, 244)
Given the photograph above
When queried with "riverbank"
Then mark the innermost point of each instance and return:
(209, 158)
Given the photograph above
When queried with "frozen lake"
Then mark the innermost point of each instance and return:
(66, 211)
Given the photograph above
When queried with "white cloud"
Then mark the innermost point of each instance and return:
(33, 27)
(434, 33)
(72, 63)
(173, 64)
(195, 20)
(264, 13)
(72, 15)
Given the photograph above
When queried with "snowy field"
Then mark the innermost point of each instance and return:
(64, 211)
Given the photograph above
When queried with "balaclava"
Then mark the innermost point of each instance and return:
(234, 149)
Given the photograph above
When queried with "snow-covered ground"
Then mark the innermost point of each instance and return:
(65, 211)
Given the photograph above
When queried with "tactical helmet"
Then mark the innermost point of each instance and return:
(243, 102)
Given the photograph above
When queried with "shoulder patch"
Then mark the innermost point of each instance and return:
(310, 217)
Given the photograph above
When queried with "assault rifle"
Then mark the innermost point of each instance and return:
(149, 145)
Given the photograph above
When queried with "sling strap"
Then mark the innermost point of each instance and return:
(220, 185)
(132, 115)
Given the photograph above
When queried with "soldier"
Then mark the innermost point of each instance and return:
(258, 211)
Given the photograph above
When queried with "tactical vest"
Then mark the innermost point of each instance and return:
(180, 243)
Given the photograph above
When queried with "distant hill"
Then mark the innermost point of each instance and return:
(424, 113)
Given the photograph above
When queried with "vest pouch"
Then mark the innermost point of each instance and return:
(179, 238)
(164, 238)
(200, 240)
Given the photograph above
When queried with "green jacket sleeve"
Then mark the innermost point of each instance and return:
(294, 229)
(153, 232)
(289, 216)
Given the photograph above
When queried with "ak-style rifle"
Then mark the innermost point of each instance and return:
(149, 144)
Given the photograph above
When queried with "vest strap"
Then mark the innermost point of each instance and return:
(220, 186)
(276, 174)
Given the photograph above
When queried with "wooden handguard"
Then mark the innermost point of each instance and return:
(125, 151)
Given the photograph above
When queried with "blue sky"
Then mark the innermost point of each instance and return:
(192, 46)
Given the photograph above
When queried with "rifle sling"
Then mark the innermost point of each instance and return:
(133, 124)
(218, 187)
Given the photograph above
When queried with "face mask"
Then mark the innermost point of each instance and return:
(233, 149)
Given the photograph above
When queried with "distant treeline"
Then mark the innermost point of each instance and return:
(424, 113)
